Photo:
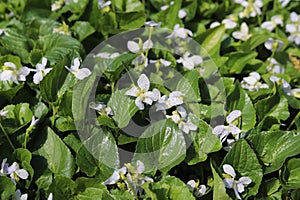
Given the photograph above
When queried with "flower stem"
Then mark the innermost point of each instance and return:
(129, 184)
(7, 137)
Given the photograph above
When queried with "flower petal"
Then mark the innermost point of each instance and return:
(229, 170)
(133, 46)
(22, 173)
(83, 73)
(233, 116)
(143, 82)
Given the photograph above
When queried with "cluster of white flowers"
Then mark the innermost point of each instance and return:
(294, 28)
(231, 183)
(163, 103)
(198, 190)
(80, 74)
(252, 82)
(132, 176)
(286, 87)
(223, 131)
(251, 8)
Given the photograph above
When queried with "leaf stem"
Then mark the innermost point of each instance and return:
(7, 137)
(293, 122)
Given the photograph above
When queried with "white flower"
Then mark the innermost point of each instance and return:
(142, 93)
(14, 171)
(3, 113)
(102, 3)
(180, 32)
(80, 74)
(284, 2)
(41, 71)
(115, 177)
(243, 34)
(34, 121)
(273, 45)
(286, 87)
(140, 47)
(1, 31)
(237, 186)
(294, 28)
(57, 5)
(274, 67)
(179, 116)
(252, 7)
(19, 196)
(165, 7)
(252, 83)
(107, 55)
(181, 13)
(165, 102)
(11, 73)
(161, 61)
(188, 61)
(198, 190)
(229, 22)
(223, 131)
(152, 23)
(50, 197)
(271, 25)
(101, 107)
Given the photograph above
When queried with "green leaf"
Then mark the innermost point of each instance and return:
(168, 187)
(239, 100)
(64, 124)
(57, 46)
(73, 142)
(203, 143)
(62, 188)
(123, 107)
(98, 155)
(17, 117)
(254, 41)
(161, 146)
(274, 106)
(290, 174)
(219, 190)
(273, 147)
(83, 29)
(58, 156)
(52, 84)
(238, 60)
(188, 85)
(211, 39)
(269, 188)
(243, 159)
(131, 20)
(7, 187)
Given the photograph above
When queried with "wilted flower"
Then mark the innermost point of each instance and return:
(102, 108)
(198, 190)
(80, 74)
(19, 196)
(142, 92)
(223, 131)
(188, 61)
(252, 83)
(271, 25)
(11, 73)
(179, 116)
(63, 29)
(41, 71)
(180, 32)
(243, 34)
(231, 183)
(274, 67)
(273, 45)
(252, 8)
